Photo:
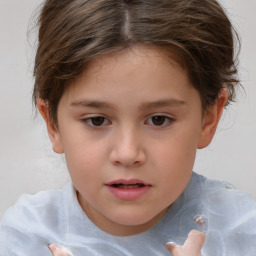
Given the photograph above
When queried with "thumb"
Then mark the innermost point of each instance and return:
(195, 240)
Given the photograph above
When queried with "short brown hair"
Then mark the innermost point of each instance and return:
(74, 32)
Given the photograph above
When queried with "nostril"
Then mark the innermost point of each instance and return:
(125, 161)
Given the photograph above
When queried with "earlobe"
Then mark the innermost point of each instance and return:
(53, 131)
(211, 119)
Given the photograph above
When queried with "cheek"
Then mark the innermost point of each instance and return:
(83, 157)
(178, 150)
(174, 171)
(83, 167)
(175, 157)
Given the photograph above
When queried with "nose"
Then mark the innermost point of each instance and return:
(127, 149)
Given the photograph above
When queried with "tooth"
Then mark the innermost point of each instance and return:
(127, 186)
(124, 186)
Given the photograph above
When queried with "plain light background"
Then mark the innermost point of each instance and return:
(27, 163)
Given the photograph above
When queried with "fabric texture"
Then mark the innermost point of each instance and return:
(228, 217)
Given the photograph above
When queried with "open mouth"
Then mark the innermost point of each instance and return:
(128, 190)
(127, 186)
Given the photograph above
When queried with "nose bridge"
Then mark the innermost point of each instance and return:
(129, 139)
(128, 148)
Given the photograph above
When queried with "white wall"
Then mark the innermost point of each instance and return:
(27, 164)
(232, 154)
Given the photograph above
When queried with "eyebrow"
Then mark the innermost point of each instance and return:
(93, 104)
(146, 105)
(163, 103)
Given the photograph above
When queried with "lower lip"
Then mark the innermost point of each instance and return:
(128, 194)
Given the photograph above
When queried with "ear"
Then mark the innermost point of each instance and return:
(211, 119)
(53, 131)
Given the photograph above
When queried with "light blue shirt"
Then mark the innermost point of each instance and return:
(56, 217)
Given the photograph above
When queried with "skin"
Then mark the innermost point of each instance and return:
(191, 247)
(58, 251)
(131, 91)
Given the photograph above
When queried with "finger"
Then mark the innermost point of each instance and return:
(170, 246)
(55, 249)
(191, 247)
(58, 251)
(195, 241)
(176, 250)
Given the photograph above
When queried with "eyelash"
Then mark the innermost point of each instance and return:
(103, 121)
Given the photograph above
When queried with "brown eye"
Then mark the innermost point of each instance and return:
(97, 121)
(159, 120)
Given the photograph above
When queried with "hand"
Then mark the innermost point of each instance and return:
(192, 246)
(58, 251)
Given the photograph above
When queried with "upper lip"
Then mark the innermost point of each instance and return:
(127, 182)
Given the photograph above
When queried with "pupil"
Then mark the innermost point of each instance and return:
(158, 120)
(97, 121)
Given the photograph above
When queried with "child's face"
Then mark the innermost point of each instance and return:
(129, 127)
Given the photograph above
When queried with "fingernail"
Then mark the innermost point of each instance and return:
(54, 246)
(170, 245)
(199, 219)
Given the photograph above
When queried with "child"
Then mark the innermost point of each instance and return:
(129, 90)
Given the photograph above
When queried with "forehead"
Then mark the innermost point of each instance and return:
(140, 74)
(126, 63)
(138, 55)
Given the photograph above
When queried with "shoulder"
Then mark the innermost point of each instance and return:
(220, 198)
(32, 208)
(33, 218)
(231, 217)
